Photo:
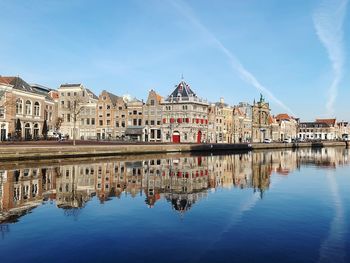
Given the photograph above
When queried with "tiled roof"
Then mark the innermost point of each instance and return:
(70, 85)
(183, 90)
(282, 116)
(159, 98)
(327, 121)
(20, 84)
(272, 119)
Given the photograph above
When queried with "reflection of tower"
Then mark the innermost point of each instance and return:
(4, 229)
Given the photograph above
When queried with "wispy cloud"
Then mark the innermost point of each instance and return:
(236, 65)
(328, 21)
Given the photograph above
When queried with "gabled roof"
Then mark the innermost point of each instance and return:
(183, 90)
(114, 98)
(327, 121)
(93, 95)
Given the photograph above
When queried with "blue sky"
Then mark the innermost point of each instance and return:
(223, 48)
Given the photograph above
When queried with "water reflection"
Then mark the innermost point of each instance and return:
(182, 180)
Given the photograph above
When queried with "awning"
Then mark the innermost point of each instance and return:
(134, 131)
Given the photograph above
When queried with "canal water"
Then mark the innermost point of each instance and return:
(262, 206)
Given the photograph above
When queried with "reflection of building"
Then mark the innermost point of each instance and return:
(24, 189)
(185, 116)
(182, 180)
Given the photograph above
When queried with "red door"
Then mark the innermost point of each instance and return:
(199, 137)
(176, 137)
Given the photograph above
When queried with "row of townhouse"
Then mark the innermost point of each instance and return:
(180, 117)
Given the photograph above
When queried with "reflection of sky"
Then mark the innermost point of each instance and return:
(299, 214)
(333, 247)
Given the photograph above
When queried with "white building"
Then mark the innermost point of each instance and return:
(75, 99)
(185, 116)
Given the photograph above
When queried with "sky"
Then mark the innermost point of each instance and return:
(295, 52)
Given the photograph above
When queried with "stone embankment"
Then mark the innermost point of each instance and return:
(32, 152)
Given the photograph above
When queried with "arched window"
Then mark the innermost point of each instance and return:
(36, 109)
(19, 106)
(28, 107)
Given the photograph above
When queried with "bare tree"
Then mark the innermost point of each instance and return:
(7, 106)
(75, 106)
(58, 123)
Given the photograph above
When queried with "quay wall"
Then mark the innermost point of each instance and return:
(31, 152)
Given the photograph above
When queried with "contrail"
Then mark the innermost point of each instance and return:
(236, 65)
(328, 21)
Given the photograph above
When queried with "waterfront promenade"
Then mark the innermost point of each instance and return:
(53, 149)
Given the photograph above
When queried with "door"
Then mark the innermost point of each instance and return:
(199, 137)
(3, 135)
(176, 137)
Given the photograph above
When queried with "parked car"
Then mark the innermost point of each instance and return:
(55, 135)
(267, 141)
(287, 140)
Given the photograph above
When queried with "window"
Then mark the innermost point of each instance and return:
(68, 94)
(152, 102)
(92, 121)
(28, 107)
(62, 94)
(75, 94)
(134, 122)
(117, 124)
(123, 124)
(135, 112)
(100, 107)
(108, 122)
(2, 112)
(62, 103)
(36, 109)
(101, 122)
(82, 121)
(158, 122)
(68, 117)
(140, 122)
(108, 107)
(146, 122)
(152, 122)
(108, 115)
(19, 106)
